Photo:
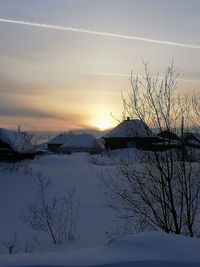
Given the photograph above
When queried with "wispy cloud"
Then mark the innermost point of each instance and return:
(17, 111)
(196, 81)
(107, 34)
(109, 74)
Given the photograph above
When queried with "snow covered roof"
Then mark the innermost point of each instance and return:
(166, 134)
(16, 141)
(82, 141)
(60, 139)
(130, 128)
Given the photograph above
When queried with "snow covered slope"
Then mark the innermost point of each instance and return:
(139, 250)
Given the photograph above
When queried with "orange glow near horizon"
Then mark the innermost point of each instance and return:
(66, 122)
(60, 76)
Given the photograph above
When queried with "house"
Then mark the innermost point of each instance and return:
(82, 143)
(14, 146)
(192, 139)
(168, 135)
(130, 133)
(55, 143)
(167, 140)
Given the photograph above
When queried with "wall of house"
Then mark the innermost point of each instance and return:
(53, 147)
(124, 142)
(7, 154)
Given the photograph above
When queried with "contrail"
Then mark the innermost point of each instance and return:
(129, 37)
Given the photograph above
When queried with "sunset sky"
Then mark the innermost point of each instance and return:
(67, 70)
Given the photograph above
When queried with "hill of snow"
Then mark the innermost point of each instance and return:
(140, 250)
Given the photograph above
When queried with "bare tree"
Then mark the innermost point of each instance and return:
(196, 109)
(153, 100)
(56, 216)
(164, 193)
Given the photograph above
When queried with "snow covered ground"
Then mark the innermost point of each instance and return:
(65, 171)
(91, 247)
(139, 250)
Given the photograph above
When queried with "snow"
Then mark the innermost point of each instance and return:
(16, 189)
(81, 141)
(144, 249)
(118, 157)
(130, 128)
(91, 247)
(60, 139)
(16, 140)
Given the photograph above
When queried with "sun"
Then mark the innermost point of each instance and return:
(102, 123)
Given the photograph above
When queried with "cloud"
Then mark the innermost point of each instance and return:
(26, 114)
(106, 34)
(188, 80)
(109, 74)
(15, 111)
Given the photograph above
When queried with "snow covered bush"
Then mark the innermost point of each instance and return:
(55, 216)
(12, 246)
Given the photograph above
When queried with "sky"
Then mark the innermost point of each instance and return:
(64, 63)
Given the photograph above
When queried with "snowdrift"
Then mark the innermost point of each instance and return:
(145, 249)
